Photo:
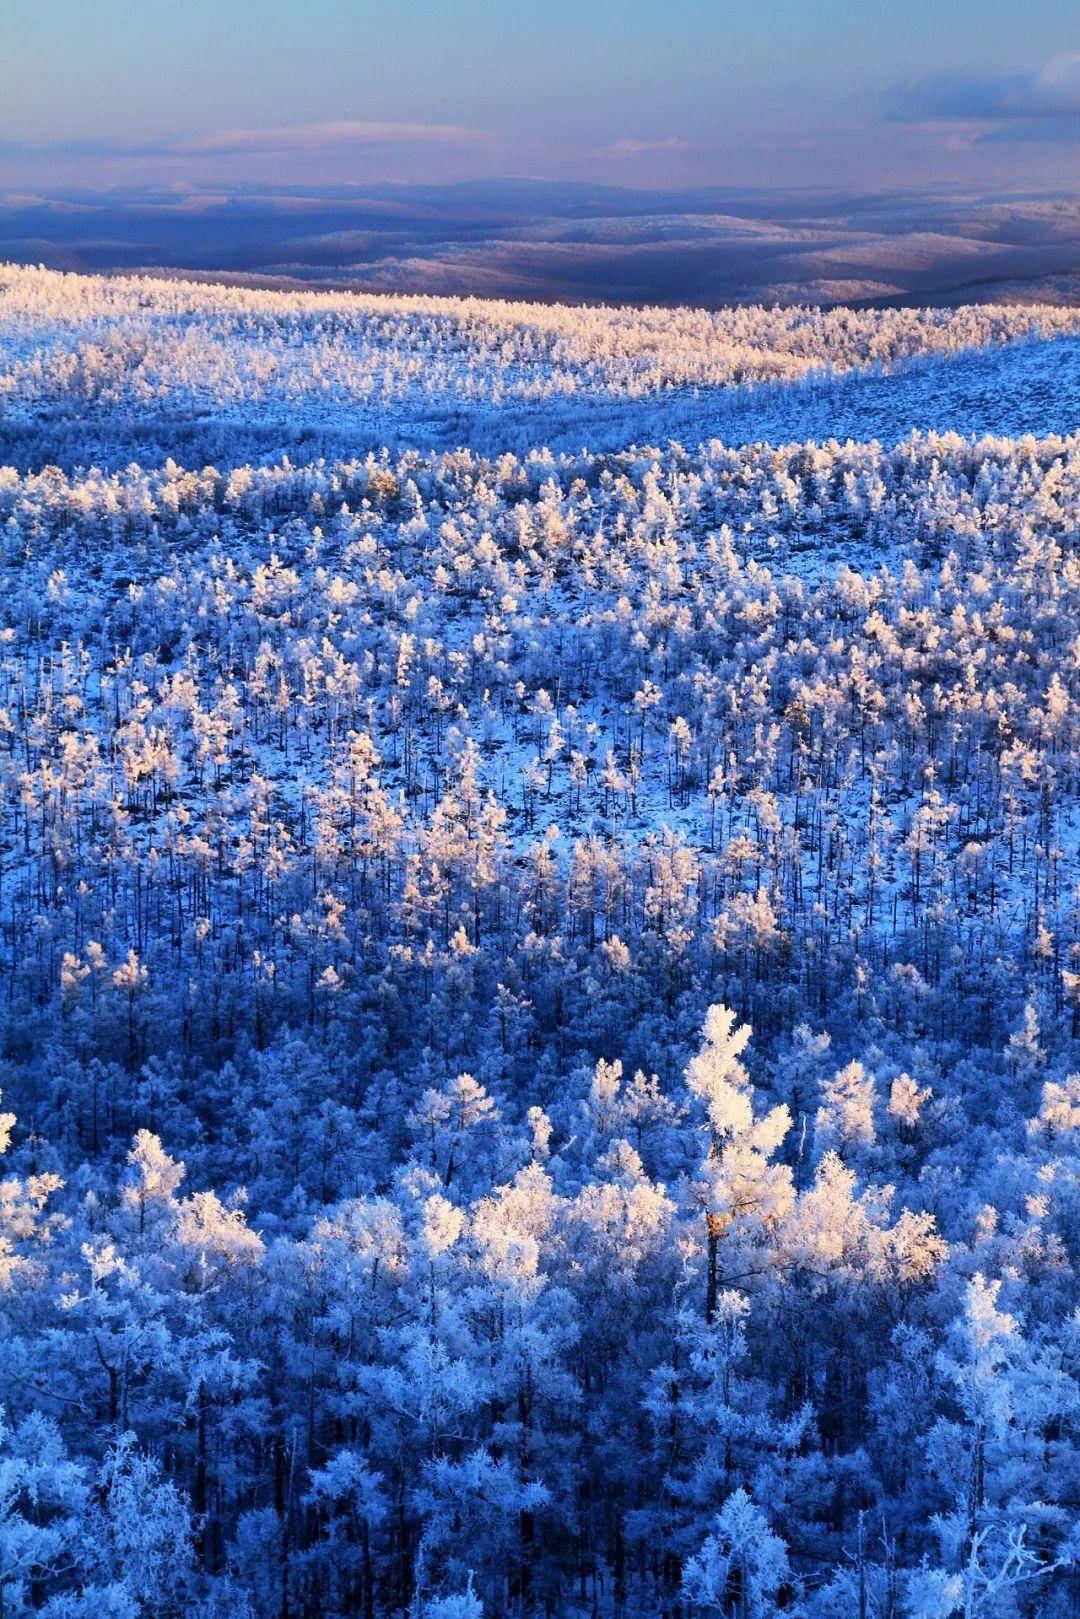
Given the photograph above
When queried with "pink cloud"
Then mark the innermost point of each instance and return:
(635, 148)
(332, 135)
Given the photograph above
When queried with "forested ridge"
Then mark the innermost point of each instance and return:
(539, 993)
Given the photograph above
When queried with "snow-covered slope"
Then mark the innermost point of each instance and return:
(128, 369)
(396, 852)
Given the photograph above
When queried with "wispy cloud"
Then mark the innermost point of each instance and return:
(629, 147)
(333, 135)
(329, 136)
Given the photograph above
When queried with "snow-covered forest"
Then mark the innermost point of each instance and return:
(539, 988)
(113, 370)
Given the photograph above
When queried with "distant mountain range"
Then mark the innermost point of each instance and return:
(554, 240)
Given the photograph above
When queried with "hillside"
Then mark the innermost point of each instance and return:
(540, 938)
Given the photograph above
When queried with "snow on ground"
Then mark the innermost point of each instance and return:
(114, 371)
(378, 834)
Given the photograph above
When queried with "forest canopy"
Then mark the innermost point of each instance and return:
(540, 991)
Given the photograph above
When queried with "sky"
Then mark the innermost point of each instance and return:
(679, 93)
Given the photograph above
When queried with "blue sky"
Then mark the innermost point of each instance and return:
(681, 93)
